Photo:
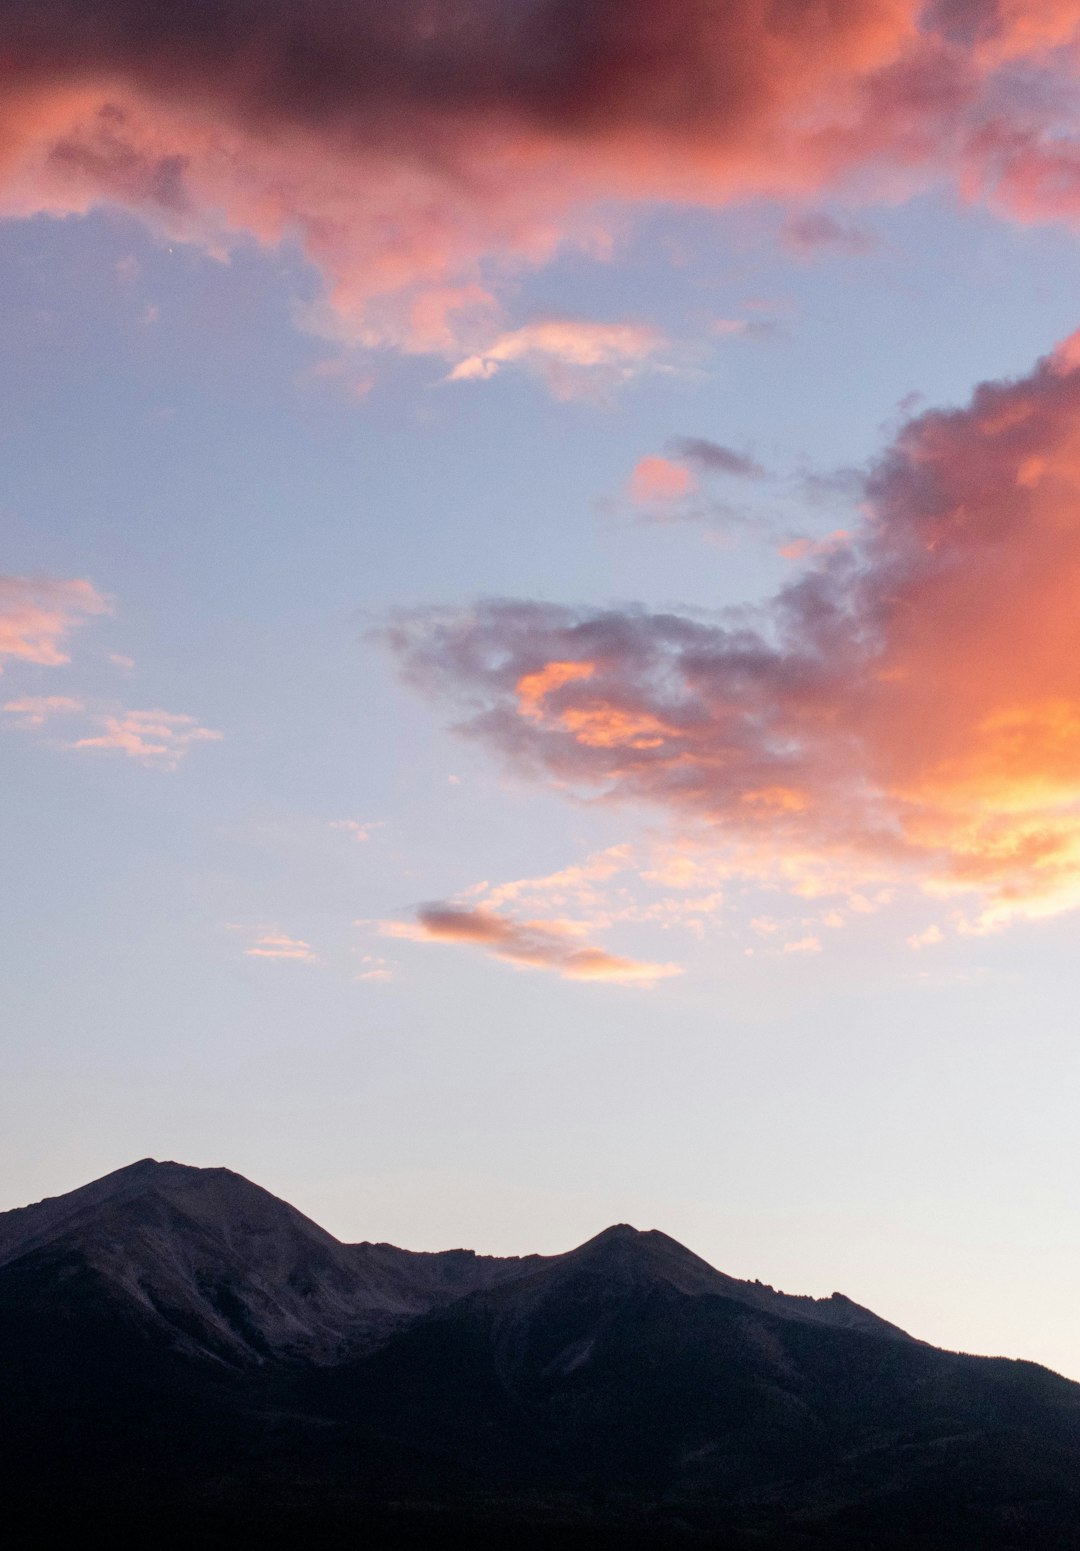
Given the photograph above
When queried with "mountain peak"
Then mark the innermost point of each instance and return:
(618, 1232)
(214, 1197)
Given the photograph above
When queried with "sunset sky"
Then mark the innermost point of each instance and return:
(540, 626)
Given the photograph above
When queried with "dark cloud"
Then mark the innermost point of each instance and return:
(552, 945)
(712, 458)
(816, 230)
(407, 144)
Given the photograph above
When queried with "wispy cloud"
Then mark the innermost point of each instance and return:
(690, 483)
(37, 614)
(32, 711)
(158, 738)
(803, 945)
(929, 938)
(152, 737)
(375, 968)
(714, 458)
(811, 232)
(359, 831)
(576, 358)
(554, 945)
(277, 945)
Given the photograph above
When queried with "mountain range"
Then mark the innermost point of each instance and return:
(187, 1359)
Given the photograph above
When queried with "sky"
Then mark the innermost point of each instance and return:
(539, 627)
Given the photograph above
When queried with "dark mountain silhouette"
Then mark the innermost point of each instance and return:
(187, 1359)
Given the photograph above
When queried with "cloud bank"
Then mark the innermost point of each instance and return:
(908, 707)
(406, 146)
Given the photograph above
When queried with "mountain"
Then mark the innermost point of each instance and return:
(221, 1268)
(186, 1358)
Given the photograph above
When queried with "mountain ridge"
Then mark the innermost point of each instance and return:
(225, 1204)
(181, 1346)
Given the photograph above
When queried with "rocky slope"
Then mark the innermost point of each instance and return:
(184, 1355)
(224, 1268)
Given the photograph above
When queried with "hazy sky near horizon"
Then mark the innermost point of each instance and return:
(539, 627)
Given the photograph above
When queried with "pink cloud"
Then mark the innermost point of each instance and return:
(35, 710)
(680, 486)
(659, 481)
(37, 614)
(411, 147)
(908, 707)
(160, 738)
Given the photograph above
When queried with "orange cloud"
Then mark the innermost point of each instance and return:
(597, 724)
(533, 689)
(908, 707)
(37, 614)
(550, 944)
(412, 147)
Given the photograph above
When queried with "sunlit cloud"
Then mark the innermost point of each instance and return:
(906, 709)
(578, 886)
(554, 944)
(423, 148)
(691, 482)
(658, 481)
(161, 738)
(576, 358)
(551, 921)
(157, 737)
(375, 968)
(37, 614)
(277, 945)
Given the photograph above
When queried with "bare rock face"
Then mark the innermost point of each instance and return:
(180, 1351)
